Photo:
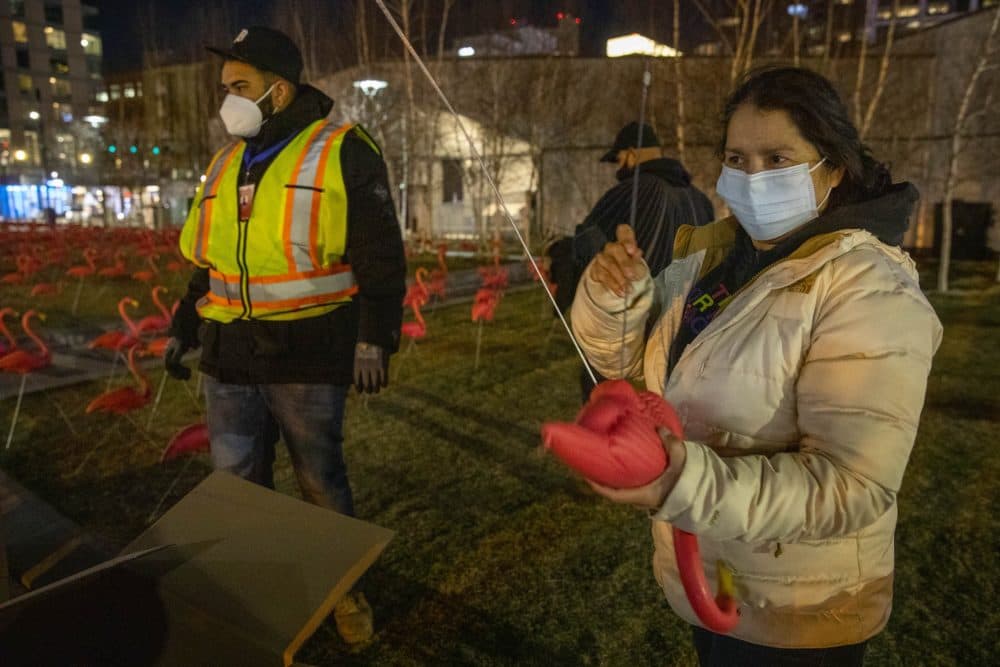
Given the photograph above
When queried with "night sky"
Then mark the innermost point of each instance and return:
(601, 19)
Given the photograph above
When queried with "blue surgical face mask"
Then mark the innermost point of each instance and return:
(771, 203)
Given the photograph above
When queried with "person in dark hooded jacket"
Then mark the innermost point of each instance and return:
(665, 199)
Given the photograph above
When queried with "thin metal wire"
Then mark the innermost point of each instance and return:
(489, 178)
(647, 78)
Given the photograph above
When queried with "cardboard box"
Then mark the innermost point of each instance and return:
(233, 574)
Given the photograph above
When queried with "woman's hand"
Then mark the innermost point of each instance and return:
(652, 495)
(619, 263)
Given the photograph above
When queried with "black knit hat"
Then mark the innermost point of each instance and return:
(266, 49)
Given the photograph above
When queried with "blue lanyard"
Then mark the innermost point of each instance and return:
(249, 162)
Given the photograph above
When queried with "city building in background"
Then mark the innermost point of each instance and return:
(50, 117)
(521, 38)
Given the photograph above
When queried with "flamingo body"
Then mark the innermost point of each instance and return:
(188, 440)
(614, 442)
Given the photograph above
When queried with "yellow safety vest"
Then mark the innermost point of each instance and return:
(284, 263)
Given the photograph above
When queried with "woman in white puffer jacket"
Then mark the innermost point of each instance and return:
(795, 343)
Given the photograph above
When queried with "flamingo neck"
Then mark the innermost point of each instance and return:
(5, 331)
(416, 313)
(159, 304)
(128, 322)
(420, 277)
(136, 373)
(26, 325)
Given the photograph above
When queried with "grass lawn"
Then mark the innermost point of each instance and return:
(501, 556)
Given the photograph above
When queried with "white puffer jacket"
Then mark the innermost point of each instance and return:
(800, 405)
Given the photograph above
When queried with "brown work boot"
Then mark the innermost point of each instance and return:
(354, 618)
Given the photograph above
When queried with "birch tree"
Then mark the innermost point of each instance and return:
(985, 63)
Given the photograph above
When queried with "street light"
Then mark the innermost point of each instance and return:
(20, 155)
(466, 51)
(370, 86)
(86, 158)
(34, 115)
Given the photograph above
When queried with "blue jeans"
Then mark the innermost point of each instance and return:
(722, 651)
(245, 421)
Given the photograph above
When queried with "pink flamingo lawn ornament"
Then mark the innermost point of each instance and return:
(46, 289)
(439, 276)
(24, 269)
(82, 271)
(117, 340)
(147, 275)
(11, 344)
(484, 308)
(615, 443)
(417, 292)
(189, 440)
(414, 330)
(159, 322)
(24, 362)
(116, 270)
(126, 399)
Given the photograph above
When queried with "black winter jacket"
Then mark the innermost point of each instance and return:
(318, 349)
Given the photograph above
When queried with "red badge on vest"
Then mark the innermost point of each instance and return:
(246, 193)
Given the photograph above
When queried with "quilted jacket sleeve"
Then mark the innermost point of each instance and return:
(606, 324)
(860, 392)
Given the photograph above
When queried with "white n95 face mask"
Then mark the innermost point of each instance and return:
(243, 117)
(770, 203)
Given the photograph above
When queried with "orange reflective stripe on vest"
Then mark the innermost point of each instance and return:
(303, 201)
(213, 180)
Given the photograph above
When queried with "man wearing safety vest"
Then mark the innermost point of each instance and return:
(299, 281)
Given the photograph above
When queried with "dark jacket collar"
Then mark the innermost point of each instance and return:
(665, 168)
(308, 106)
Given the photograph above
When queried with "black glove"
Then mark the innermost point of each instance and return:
(371, 368)
(172, 358)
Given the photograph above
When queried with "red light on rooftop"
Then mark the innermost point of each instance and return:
(578, 21)
(513, 21)
(560, 16)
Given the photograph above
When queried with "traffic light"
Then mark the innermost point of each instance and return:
(133, 149)
(112, 148)
(156, 150)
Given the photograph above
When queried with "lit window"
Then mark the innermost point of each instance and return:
(91, 44)
(56, 39)
(844, 37)
(885, 14)
(102, 96)
(24, 83)
(908, 12)
(20, 32)
(115, 91)
(938, 8)
(129, 91)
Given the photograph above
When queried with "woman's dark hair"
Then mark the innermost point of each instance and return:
(821, 118)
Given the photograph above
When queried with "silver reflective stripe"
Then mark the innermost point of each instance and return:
(302, 192)
(303, 288)
(211, 184)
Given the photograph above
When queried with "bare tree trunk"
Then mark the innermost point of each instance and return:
(741, 40)
(828, 43)
(758, 18)
(361, 33)
(444, 24)
(859, 81)
(883, 72)
(956, 149)
(795, 40)
(679, 84)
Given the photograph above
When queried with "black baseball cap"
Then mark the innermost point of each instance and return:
(266, 49)
(628, 137)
